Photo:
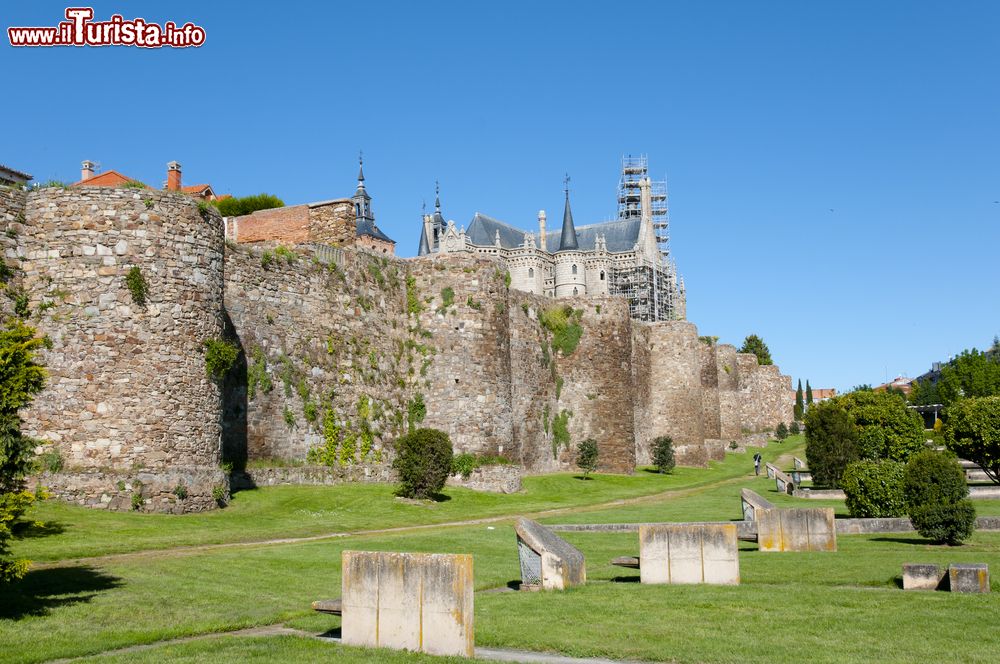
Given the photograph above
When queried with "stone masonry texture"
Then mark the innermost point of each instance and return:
(341, 353)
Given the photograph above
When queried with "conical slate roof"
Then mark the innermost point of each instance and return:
(425, 246)
(567, 241)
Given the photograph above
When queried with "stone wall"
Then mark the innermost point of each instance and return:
(330, 222)
(127, 384)
(11, 226)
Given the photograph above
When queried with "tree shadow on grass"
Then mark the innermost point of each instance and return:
(582, 477)
(42, 590)
(905, 540)
(32, 529)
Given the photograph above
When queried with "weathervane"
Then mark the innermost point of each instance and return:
(566, 182)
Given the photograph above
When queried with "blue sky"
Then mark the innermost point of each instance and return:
(834, 167)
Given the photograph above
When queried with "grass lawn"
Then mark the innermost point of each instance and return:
(299, 511)
(818, 607)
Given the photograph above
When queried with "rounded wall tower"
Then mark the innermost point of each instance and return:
(570, 274)
(128, 404)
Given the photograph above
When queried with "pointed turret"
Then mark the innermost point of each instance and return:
(425, 247)
(567, 240)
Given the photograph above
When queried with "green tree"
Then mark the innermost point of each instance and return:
(971, 374)
(935, 492)
(423, 461)
(21, 377)
(586, 456)
(972, 431)
(799, 403)
(663, 454)
(781, 431)
(831, 442)
(886, 428)
(923, 393)
(809, 394)
(237, 207)
(754, 344)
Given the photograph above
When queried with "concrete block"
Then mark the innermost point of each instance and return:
(689, 553)
(921, 576)
(783, 482)
(771, 470)
(800, 529)
(547, 560)
(798, 463)
(969, 578)
(413, 601)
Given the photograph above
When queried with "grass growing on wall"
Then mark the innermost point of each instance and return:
(563, 322)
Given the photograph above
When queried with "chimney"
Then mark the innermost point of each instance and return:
(87, 170)
(173, 176)
(541, 230)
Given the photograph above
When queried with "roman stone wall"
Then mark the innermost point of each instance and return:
(764, 395)
(330, 360)
(11, 226)
(465, 377)
(127, 385)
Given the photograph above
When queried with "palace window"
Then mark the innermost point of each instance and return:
(574, 269)
(531, 273)
(602, 275)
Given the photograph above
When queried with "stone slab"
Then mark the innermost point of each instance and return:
(798, 529)
(752, 501)
(632, 562)
(783, 482)
(969, 578)
(683, 553)
(332, 606)
(771, 470)
(413, 601)
(547, 560)
(798, 463)
(922, 576)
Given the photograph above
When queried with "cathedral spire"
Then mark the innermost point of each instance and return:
(437, 196)
(361, 169)
(567, 240)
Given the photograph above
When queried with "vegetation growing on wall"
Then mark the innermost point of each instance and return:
(237, 207)
(220, 355)
(563, 322)
(137, 286)
(413, 305)
(560, 432)
(257, 377)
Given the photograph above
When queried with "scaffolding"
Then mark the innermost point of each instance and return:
(651, 289)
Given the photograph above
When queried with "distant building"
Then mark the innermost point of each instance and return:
(10, 176)
(900, 383)
(628, 257)
(90, 178)
(336, 222)
(819, 394)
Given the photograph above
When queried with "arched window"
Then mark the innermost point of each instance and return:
(574, 269)
(531, 273)
(602, 275)
(575, 291)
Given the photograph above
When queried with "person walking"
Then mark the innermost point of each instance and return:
(756, 463)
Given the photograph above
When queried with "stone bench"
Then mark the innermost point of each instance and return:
(753, 501)
(957, 578)
(408, 601)
(682, 553)
(798, 463)
(783, 483)
(771, 470)
(796, 529)
(547, 560)
(800, 476)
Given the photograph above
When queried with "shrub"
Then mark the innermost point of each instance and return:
(413, 305)
(935, 492)
(282, 252)
(219, 495)
(236, 207)
(886, 428)
(447, 297)
(973, 432)
(463, 464)
(134, 184)
(560, 432)
(794, 429)
(181, 491)
(831, 442)
(781, 432)
(219, 357)
(137, 501)
(874, 488)
(416, 410)
(137, 285)
(663, 454)
(266, 259)
(586, 456)
(423, 462)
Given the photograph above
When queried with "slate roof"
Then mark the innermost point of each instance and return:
(621, 236)
(367, 227)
